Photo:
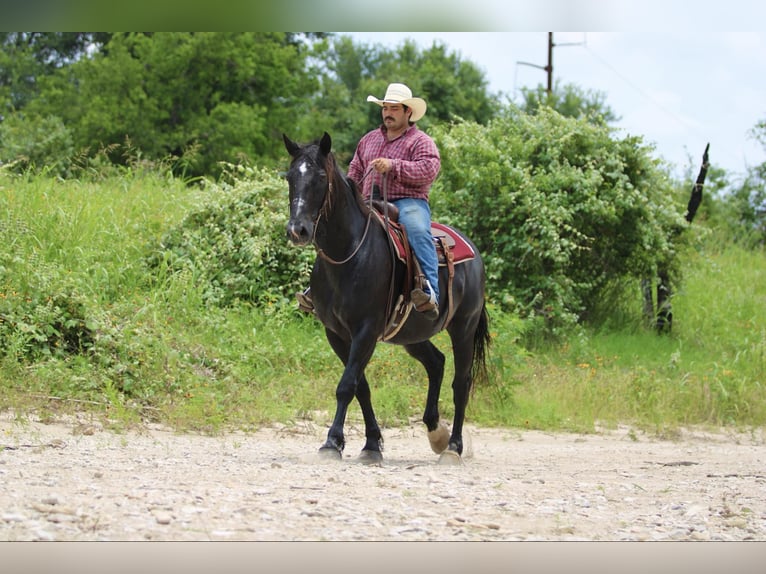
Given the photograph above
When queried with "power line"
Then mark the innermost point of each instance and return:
(638, 89)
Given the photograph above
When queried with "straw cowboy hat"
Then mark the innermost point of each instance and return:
(401, 94)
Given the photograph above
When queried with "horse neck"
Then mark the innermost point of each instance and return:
(343, 221)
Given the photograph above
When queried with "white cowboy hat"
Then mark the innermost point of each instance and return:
(401, 94)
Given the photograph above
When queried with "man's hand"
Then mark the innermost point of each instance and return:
(381, 165)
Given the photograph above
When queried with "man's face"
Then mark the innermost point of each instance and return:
(394, 116)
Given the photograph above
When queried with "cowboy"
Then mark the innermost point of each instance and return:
(403, 161)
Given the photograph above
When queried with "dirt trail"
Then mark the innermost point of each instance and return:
(75, 481)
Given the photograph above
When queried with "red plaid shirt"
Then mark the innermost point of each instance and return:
(415, 163)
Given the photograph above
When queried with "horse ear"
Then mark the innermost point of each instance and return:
(290, 145)
(325, 144)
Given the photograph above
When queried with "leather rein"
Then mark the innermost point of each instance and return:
(319, 250)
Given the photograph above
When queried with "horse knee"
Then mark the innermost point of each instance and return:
(344, 394)
(346, 391)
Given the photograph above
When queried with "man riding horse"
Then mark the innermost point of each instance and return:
(403, 161)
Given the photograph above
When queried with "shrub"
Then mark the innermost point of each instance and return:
(559, 208)
(39, 143)
(235, 245)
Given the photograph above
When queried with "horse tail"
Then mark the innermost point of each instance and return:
(481, 343)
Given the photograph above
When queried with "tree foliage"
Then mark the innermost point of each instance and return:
(562, 210)
(227, 96)
(25, 57)
(559, 209)
(569, 100)
(454, 88)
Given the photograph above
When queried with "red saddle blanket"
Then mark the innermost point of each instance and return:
(445, 237)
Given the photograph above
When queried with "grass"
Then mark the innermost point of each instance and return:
(86, 327)
(709, 371)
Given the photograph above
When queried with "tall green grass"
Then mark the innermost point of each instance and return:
(709, 371)
(86, 326)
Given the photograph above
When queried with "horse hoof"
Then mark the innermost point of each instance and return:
(439, 438)
(329, 454)
(370, 457)
(450, 458)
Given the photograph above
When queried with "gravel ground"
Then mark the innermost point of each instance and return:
(75, 481)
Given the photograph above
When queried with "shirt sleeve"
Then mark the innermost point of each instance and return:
(422, 166)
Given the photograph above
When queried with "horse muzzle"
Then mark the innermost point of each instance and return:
(298, 232)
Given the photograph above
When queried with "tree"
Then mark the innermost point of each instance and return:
(27, 56)
(226, 95)
(570, 101)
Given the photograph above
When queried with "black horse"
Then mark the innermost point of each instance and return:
(351, 286)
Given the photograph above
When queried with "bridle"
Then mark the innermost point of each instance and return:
(319, 250)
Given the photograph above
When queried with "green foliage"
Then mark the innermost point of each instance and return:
(143, 343)
(38, 143)
(569, 100)
(235, 246)
(228, 94)
(50, 318)
(72, 250)
(27, 56)
(745, 207)
(560, 210)
(348, 73)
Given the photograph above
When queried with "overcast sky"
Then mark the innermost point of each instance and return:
(679, 90)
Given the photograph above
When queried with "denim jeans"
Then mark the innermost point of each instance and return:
(415, 216)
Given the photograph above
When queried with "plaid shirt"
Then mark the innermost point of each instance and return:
(415, 158)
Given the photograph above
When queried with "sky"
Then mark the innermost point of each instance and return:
(679, 90)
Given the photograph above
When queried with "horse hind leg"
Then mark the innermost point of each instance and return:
(433, 360)
(463, 352)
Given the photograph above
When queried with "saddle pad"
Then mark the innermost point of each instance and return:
(461, 250)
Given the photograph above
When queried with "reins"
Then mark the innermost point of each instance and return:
(319, 250)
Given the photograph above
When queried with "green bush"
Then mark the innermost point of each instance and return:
(560, 210)
(235, 246)
(39, 143)
(41, 313)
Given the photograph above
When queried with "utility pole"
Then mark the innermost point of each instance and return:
(549, 68)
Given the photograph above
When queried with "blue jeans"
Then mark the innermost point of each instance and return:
(415, 216)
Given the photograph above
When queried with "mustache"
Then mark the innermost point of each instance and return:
(389, 118)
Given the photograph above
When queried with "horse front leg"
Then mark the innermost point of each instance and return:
(355, 357)
(373, 446)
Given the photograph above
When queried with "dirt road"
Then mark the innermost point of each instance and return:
(75, 481)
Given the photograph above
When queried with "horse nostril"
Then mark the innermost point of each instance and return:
(297, 233)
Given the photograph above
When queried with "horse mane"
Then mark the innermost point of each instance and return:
(337, 177)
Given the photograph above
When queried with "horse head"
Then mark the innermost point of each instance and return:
(309, 185)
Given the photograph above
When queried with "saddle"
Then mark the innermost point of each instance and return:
(451, 249)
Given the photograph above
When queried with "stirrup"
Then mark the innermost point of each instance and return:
(305, 303)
